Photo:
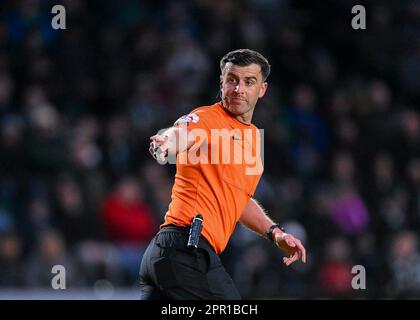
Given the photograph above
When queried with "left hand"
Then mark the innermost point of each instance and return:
(292, 246)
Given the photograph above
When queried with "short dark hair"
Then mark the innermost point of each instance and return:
(245, 57)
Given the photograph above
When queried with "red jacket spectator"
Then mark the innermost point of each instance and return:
(127, 217)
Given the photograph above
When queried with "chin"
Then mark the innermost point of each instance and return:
(236, 109)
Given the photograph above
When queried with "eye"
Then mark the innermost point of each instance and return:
(249, 82)
(231, 80)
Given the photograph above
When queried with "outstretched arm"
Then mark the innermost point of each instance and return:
(170, 142)
(255, 218)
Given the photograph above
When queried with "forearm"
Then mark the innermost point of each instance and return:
(178, 140)
(255, 218)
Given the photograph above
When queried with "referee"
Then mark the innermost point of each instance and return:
(217, 152)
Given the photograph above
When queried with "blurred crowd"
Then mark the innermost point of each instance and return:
(342, 138)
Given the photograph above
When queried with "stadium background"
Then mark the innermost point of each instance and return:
(342, 140)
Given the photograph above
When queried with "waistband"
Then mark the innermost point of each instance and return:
(185, 230)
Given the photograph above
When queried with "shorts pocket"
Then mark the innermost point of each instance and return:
(165, 276)
(180, 267)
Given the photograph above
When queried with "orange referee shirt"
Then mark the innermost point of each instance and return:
(218, 175)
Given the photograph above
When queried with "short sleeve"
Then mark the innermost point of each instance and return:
(194, 120)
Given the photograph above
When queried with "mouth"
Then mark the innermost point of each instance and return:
(236, 99)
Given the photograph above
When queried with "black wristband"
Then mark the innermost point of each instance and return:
(271, 229)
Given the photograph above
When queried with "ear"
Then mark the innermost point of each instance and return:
(263, 89)
(221, 81)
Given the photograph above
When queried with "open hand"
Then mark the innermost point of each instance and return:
(292, 246)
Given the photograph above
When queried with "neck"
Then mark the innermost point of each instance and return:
(244, 118)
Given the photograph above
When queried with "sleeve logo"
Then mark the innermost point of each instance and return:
(185, 120)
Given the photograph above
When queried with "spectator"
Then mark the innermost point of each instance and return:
(11, 253)
(335, 270)
(405, 265)
(129, 224)
(127, 217)
(51, 251)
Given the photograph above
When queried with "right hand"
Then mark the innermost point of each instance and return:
(159, 147)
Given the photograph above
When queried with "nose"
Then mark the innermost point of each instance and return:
(236, 88)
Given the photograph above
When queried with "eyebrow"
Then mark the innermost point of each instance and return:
(247, 78)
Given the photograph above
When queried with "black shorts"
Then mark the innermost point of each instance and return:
(171, 271)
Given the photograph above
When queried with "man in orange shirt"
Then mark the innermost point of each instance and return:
(217, 153)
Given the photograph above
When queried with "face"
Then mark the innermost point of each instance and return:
(241, 88)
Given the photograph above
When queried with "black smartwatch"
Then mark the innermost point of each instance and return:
(270, 231)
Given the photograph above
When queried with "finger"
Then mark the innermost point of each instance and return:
(158, 138)
(152, 149)
(153, 145)
(162, 152)
(302, 251)
(289, 260)
(286, 261)
(294, 258)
